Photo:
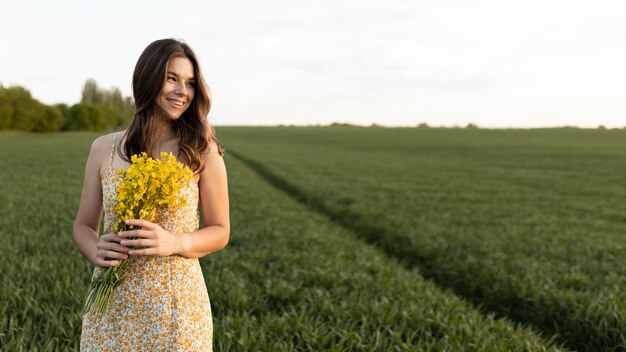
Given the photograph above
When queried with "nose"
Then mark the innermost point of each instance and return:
(181, 89)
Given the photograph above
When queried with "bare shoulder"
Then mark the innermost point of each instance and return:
(105, 142)
(215, 150)
(101, 147)
(213, 160)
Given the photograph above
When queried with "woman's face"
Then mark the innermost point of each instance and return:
(178, 90)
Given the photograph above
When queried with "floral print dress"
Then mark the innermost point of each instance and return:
(163, 303)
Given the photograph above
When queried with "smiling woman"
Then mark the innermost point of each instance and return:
(162, 303)
(178, 89)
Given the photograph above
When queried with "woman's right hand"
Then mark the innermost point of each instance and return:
(109, 251)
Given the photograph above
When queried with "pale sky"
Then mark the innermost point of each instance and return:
(495, 63)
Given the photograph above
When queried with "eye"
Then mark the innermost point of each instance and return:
(191, 84)
(171, 78)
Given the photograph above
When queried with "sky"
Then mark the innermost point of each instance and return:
(493, 63)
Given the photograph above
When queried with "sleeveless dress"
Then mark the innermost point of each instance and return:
(163, 303)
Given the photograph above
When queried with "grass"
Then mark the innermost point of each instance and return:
(290, 279)
(527, 224)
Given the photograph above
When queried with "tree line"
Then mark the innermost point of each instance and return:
(100, 109)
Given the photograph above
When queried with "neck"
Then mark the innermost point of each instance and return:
(166, 131)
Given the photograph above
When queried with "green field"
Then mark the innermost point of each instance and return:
(350, 239)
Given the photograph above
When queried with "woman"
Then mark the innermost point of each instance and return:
(163, 303)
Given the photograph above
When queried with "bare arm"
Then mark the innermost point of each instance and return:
(85, 231)
(214, 206)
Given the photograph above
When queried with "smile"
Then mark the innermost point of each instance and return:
(176, 102)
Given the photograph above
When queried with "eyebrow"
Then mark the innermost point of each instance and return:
(175, 74)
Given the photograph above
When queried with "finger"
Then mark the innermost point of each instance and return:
(143, 223)
(114, 246)
(110, 237)
(111, 240)
(147, 251)
(105, 264)
(138, 243)
(136, 233)
(108, 244)
(115, 255)
(121, 249)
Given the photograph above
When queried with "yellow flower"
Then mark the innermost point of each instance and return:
(147, 186)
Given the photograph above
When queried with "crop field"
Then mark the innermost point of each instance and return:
(527, 224)
(359, 239)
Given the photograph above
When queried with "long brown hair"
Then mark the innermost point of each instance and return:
(192, 127)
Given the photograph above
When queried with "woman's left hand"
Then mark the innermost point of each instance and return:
(153, 239)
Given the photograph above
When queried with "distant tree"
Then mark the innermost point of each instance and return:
(422, 125)
(114, 118)
(96, 117)
(113, 98)
(601, 127)
(64, 110)
(99, 110)
(50, 121)
(341, 124)
(129, 106)
(77, 118)
(20, 111)
(106, 99)
(91, 93)
(26, 110)
(6, 109)
(471, 125)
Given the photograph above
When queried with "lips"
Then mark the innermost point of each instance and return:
(176, 102)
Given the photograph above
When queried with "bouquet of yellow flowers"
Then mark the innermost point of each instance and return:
(147, 186)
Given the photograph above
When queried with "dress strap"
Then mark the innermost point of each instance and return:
(112, 149)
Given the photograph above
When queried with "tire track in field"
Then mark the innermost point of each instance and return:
(400, 249)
